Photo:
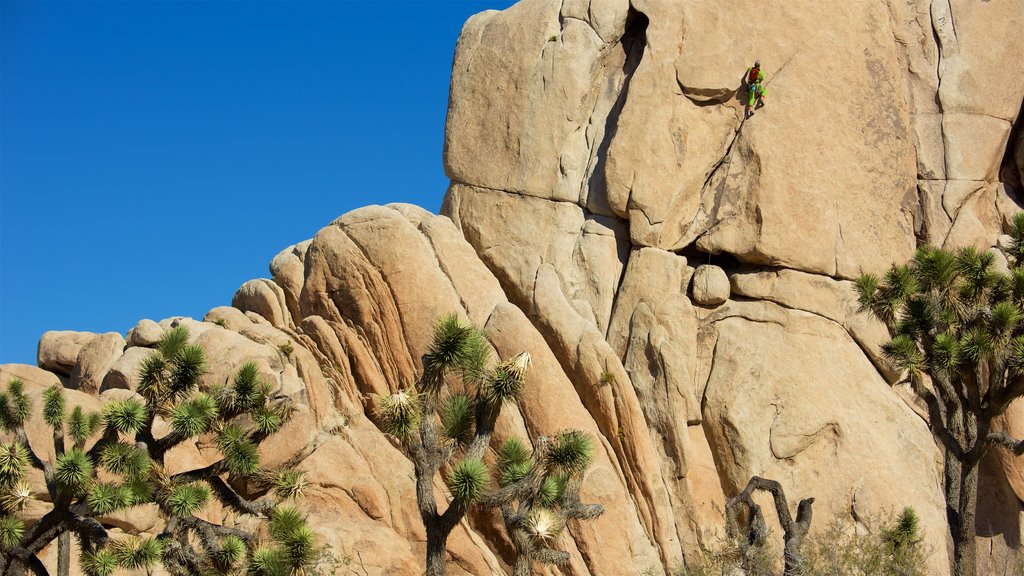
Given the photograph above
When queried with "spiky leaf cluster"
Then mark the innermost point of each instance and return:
(229, 554)
(293, 548)
(400, 413)
(53, 406)
(99, 563)
(289, 484)
(15, 405)
(126, 416)
(172, 371)
(514, 461)
(13, 460)
(543, 525)
(247, 392)
(456, 347)
(187, 499)
(74, 471)
(467, 480)
(506, 381)
(104, 498)
(457, 417)
(905, 532)
(11, 531)
(136, 553)
(194, 416)
(241, 455)
(15, 497)
(82, 425)
(126, 460)
(552, 489)
(571, 452)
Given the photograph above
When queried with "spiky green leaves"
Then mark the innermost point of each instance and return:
(975, 269)
(136, 553)
(73, 471)
(53, 407)
(186, 368)
(173, 370)
(457, 417)
(100, 563)
(904, 353)
(571, 451)
(81, 425)
(296, 542)
(126, 416)
(126, 460)
(399, 413)
(187, 499)
(230, 552)
(905, 532)
(1003, 319)
(514, 461)
(241, 455)
(946, 352)
(15, 406)
(11, 531)
(13, 460)
(552, 489)
(456, 347)
(289, 484)
(105, 498)
(195, 416)
(467, 480)
(506, 380)
(173, 341)
(248, 391)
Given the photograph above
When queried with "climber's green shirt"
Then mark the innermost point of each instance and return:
(760, 75)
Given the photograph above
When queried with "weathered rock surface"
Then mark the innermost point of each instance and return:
(598, 152)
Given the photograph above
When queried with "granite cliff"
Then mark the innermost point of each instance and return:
(680, 273)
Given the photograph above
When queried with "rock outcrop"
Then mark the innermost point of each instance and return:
(679, 272)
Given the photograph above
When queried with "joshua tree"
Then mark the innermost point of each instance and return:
(451, 410)
(794, 531)
(957, 333)
(539, 493)
(125, 468)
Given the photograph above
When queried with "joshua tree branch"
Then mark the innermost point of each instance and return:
(549, 556)
(1006, 441)
(228, 496)
(794, 532)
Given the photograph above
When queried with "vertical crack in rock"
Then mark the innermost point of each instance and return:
(633, 43)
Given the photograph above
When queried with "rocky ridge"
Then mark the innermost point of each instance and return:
(679, 273)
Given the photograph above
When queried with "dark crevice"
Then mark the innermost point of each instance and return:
(1009, 170)
(695, 257)
(633, 43)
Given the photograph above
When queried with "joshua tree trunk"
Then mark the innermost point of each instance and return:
(436, 564)
(962, 522)
(63, 554)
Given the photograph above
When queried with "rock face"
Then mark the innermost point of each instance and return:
(679, 272)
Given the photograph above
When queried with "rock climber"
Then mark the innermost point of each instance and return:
(754, 74)
(754, 79)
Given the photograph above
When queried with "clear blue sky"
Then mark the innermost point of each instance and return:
(156, 155)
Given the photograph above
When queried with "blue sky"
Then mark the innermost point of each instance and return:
(156, 155)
